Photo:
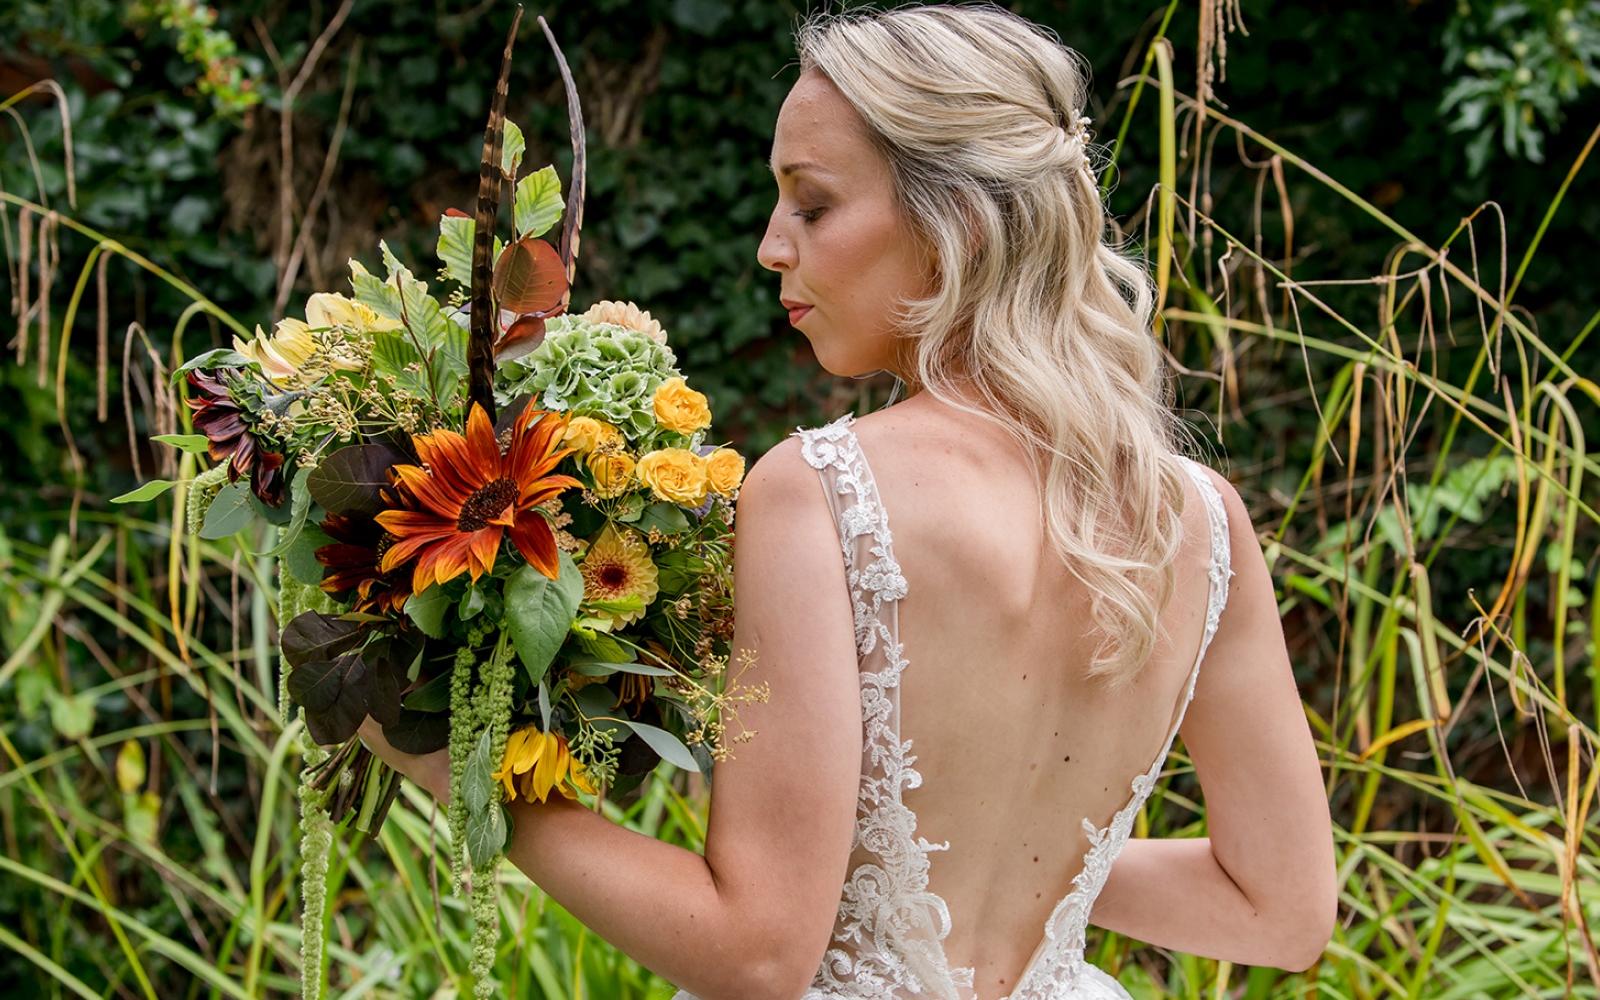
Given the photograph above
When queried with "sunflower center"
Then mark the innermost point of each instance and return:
(613, 577)
(486, 504)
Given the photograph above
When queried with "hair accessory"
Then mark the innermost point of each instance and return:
(1078, 128)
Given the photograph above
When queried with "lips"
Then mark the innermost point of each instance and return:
(797, 309)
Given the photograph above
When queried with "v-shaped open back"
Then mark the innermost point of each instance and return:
(888, 937)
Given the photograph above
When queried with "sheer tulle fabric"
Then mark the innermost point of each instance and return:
(888, 937)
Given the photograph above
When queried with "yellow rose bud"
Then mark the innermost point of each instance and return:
(613, 473)
(681, 409)
(676, 475)
(724, 470)
(586, 434)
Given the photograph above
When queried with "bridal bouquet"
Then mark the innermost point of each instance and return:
(502, 529)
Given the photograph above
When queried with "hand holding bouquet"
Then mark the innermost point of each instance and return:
(502, 530)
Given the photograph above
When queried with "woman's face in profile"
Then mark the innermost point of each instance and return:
(836, 237)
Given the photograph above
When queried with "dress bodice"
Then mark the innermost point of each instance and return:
(888, 937)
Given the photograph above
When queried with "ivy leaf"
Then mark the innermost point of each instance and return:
(539, 612)
(537, 205)
(350, 480)
(229, 512)
(147, 491)
(486, 834)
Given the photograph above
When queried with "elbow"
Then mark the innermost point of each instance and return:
(779, 978)
(1313, 931)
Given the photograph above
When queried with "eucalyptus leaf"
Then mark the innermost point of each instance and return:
(668, 746)
(667, 518)
(230, 512)
(300, 559)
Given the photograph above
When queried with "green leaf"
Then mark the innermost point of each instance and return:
(667, 518)
(486, 834)
(148, 491)
(599, 668)
(194, 444)
(230, 512)
(373, 291)
(301, 558)
(72, 715)
(220, 357)
(477, 784)
(455, 246)
(427, 610)
(538, 204)
(666, 745)
(539, 611)
(512, 146)
(431, 696)
(299, 507)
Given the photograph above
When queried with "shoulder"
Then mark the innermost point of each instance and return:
(1240, 528)
(781, 476)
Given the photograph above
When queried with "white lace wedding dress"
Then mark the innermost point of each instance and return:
(888, 938)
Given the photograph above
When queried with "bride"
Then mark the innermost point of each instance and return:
(984, 612)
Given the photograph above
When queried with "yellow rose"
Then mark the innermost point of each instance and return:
(724, 470)
(586, 434)
(675, 474)
(613, 473)
(681, 409)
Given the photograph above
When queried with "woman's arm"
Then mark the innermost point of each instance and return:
(751, 918)
(1261, 890)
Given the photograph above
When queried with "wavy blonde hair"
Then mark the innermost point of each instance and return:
(1036, 315)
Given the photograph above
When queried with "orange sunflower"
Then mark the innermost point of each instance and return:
(469, 493)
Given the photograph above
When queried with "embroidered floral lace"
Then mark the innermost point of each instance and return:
(888, 938)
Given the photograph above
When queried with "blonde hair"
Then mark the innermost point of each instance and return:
(1035, 315)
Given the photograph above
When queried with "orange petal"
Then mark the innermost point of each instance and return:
(537, 543)
(485, 544)
(481, 442)
(441, 562)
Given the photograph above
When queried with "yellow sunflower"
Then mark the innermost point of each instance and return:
(543, 762)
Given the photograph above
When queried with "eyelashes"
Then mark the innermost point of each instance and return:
(810, 215)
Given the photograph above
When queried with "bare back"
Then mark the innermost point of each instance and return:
(1015, 746)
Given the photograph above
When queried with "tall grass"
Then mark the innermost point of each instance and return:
(1432, 532)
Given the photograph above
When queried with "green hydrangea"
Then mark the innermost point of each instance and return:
(596, 370)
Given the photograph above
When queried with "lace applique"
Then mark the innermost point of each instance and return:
(888, 935)
(1059, 962)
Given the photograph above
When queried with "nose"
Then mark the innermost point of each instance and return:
(776, 251)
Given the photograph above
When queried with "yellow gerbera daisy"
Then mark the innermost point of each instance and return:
(542, 762)
(617, 566)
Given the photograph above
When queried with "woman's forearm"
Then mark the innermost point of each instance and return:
(657, 903)
(1173, 893)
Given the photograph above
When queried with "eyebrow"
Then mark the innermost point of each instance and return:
(791, 168)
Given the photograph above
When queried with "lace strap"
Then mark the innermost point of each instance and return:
(1219, 570)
